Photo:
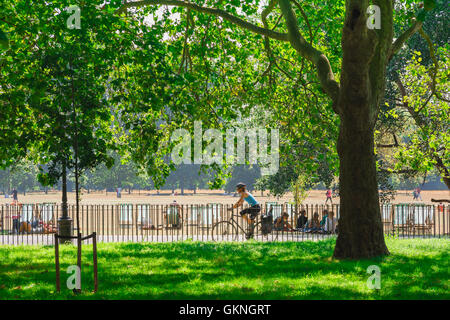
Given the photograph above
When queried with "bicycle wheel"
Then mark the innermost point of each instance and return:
(259, 236)
(224, 231)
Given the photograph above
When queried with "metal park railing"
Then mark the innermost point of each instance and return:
(28, 224)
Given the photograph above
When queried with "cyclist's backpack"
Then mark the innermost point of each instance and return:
(267, 222)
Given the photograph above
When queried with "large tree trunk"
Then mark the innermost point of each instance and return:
(362, 87)
(360, 226)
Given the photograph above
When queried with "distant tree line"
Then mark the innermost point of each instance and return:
(127, 175)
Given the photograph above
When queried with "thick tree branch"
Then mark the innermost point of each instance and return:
(213, 11)
(415, 115)
(278, 21)
(404, 171)
(421, 122)
(396, 46)
(307, 51)
(392, 145)
(443, 170)
(306, 19)
(264, 15)
(326, 76)
(435, 69)
(186, 57)
(272, 58)
(440, 200)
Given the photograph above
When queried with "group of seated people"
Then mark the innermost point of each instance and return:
(33, 225)
(37, 226)
(328, 224)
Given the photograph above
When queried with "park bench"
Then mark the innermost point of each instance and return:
(144, 219)
(423, 222)
(193, 215)
(204, 216)
(211, 214)
(425, 228)
(173, 217)
(402, 221)
(126, 215)
(277, 209)
(387, 218)
(413, 219)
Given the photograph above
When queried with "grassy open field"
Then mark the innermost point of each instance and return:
(201, 197)
(416, 269)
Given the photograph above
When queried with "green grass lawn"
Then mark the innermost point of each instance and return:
(416, 269)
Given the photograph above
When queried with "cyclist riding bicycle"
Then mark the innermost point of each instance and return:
(250, 213)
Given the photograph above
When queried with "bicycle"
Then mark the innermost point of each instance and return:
(229, 230)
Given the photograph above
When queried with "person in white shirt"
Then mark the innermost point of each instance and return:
(330, 223)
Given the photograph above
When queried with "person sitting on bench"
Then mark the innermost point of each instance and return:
(330, 223)
(324, 217)
(302, 220)
(281, 223)
(314, 224)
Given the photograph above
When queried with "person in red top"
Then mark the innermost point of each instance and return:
(329, 197)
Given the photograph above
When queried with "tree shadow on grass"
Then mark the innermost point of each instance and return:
(397, 271)
(233, 271)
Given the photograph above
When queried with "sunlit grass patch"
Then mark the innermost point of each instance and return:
(416, 269)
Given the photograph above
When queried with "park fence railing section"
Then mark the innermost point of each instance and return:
(28, 224)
